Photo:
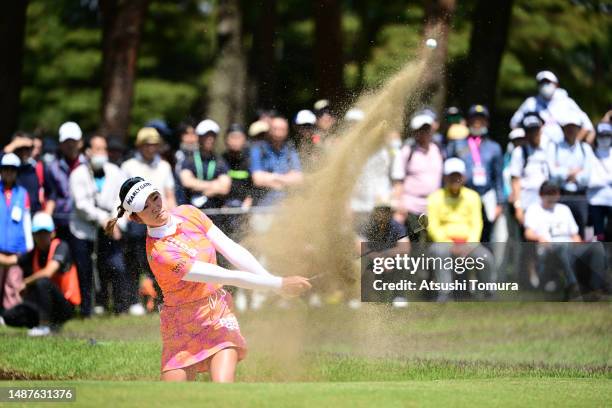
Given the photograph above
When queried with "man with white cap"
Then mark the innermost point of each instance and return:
(308, 139)
(416, 171)
(455, 221)
(15, 227)
(570, 163)
(50, 287)
(550, 103)
(203, 175)
(59, 202)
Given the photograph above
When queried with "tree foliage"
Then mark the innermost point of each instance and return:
(62, 60)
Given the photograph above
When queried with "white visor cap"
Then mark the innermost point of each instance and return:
(136, 198)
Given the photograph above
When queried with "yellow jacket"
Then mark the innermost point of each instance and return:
(454, 218)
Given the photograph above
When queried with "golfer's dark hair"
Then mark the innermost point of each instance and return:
(549, 188)
(125, 188)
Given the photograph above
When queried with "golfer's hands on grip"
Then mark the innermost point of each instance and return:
(294, 286)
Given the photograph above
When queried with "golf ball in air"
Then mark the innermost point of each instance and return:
(431, 43)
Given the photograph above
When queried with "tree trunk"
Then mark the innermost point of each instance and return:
(490, 25)
(263, 56)
(227, 92)
(122, 22)
(12, 32)
(328, 50)
(438, 16)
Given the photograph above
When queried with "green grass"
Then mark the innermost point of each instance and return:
(510, 354)
(452, 393)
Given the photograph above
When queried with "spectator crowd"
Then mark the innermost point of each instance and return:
(550, 185)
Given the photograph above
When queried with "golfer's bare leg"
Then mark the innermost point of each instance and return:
(175, 375)
(223, 365)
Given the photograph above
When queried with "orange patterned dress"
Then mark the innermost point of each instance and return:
(197, 319)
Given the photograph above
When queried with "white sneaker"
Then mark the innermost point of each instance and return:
(2, 321)
(137, 310)
(354, 304)
(315, 300)
(241, 301)
(400, 302)
(98, 310)
(550, 286)
(534, 279)
(257, 300)
(39, 331)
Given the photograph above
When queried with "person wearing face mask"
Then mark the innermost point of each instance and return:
(550, 103)
(484, 161)
(599, 193)
(570, 164)
(94, 186)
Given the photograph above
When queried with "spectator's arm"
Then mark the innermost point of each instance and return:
(498, 178)
(435, 229)
(83, 205)
(475, 221)
(170, 198)
(266, 180)
(190, 181)
(50, 190)
(530, 235)
(516, 119)
(8, 260)
(220, 186)
(169, 186)
(47, 272)
(396, 195)
(291, 178)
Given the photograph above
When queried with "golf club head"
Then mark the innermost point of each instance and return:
(423, 221)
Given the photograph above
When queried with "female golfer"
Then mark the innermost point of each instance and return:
(198, 327)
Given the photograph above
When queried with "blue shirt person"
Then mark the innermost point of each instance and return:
(275, 164)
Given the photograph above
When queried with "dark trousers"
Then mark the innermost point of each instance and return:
(136, 265)
(589, 254)
(43, 302)
(601, 217)
(579, 207)
(111, 269)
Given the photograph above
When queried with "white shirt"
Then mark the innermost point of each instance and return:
(600, 183)
(556, 224)
(158, 171)
(532, 175)
(374, 183)
(551, 111)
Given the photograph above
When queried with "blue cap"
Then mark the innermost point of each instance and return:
(478, 110)
(161, 126)
(42, 222)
